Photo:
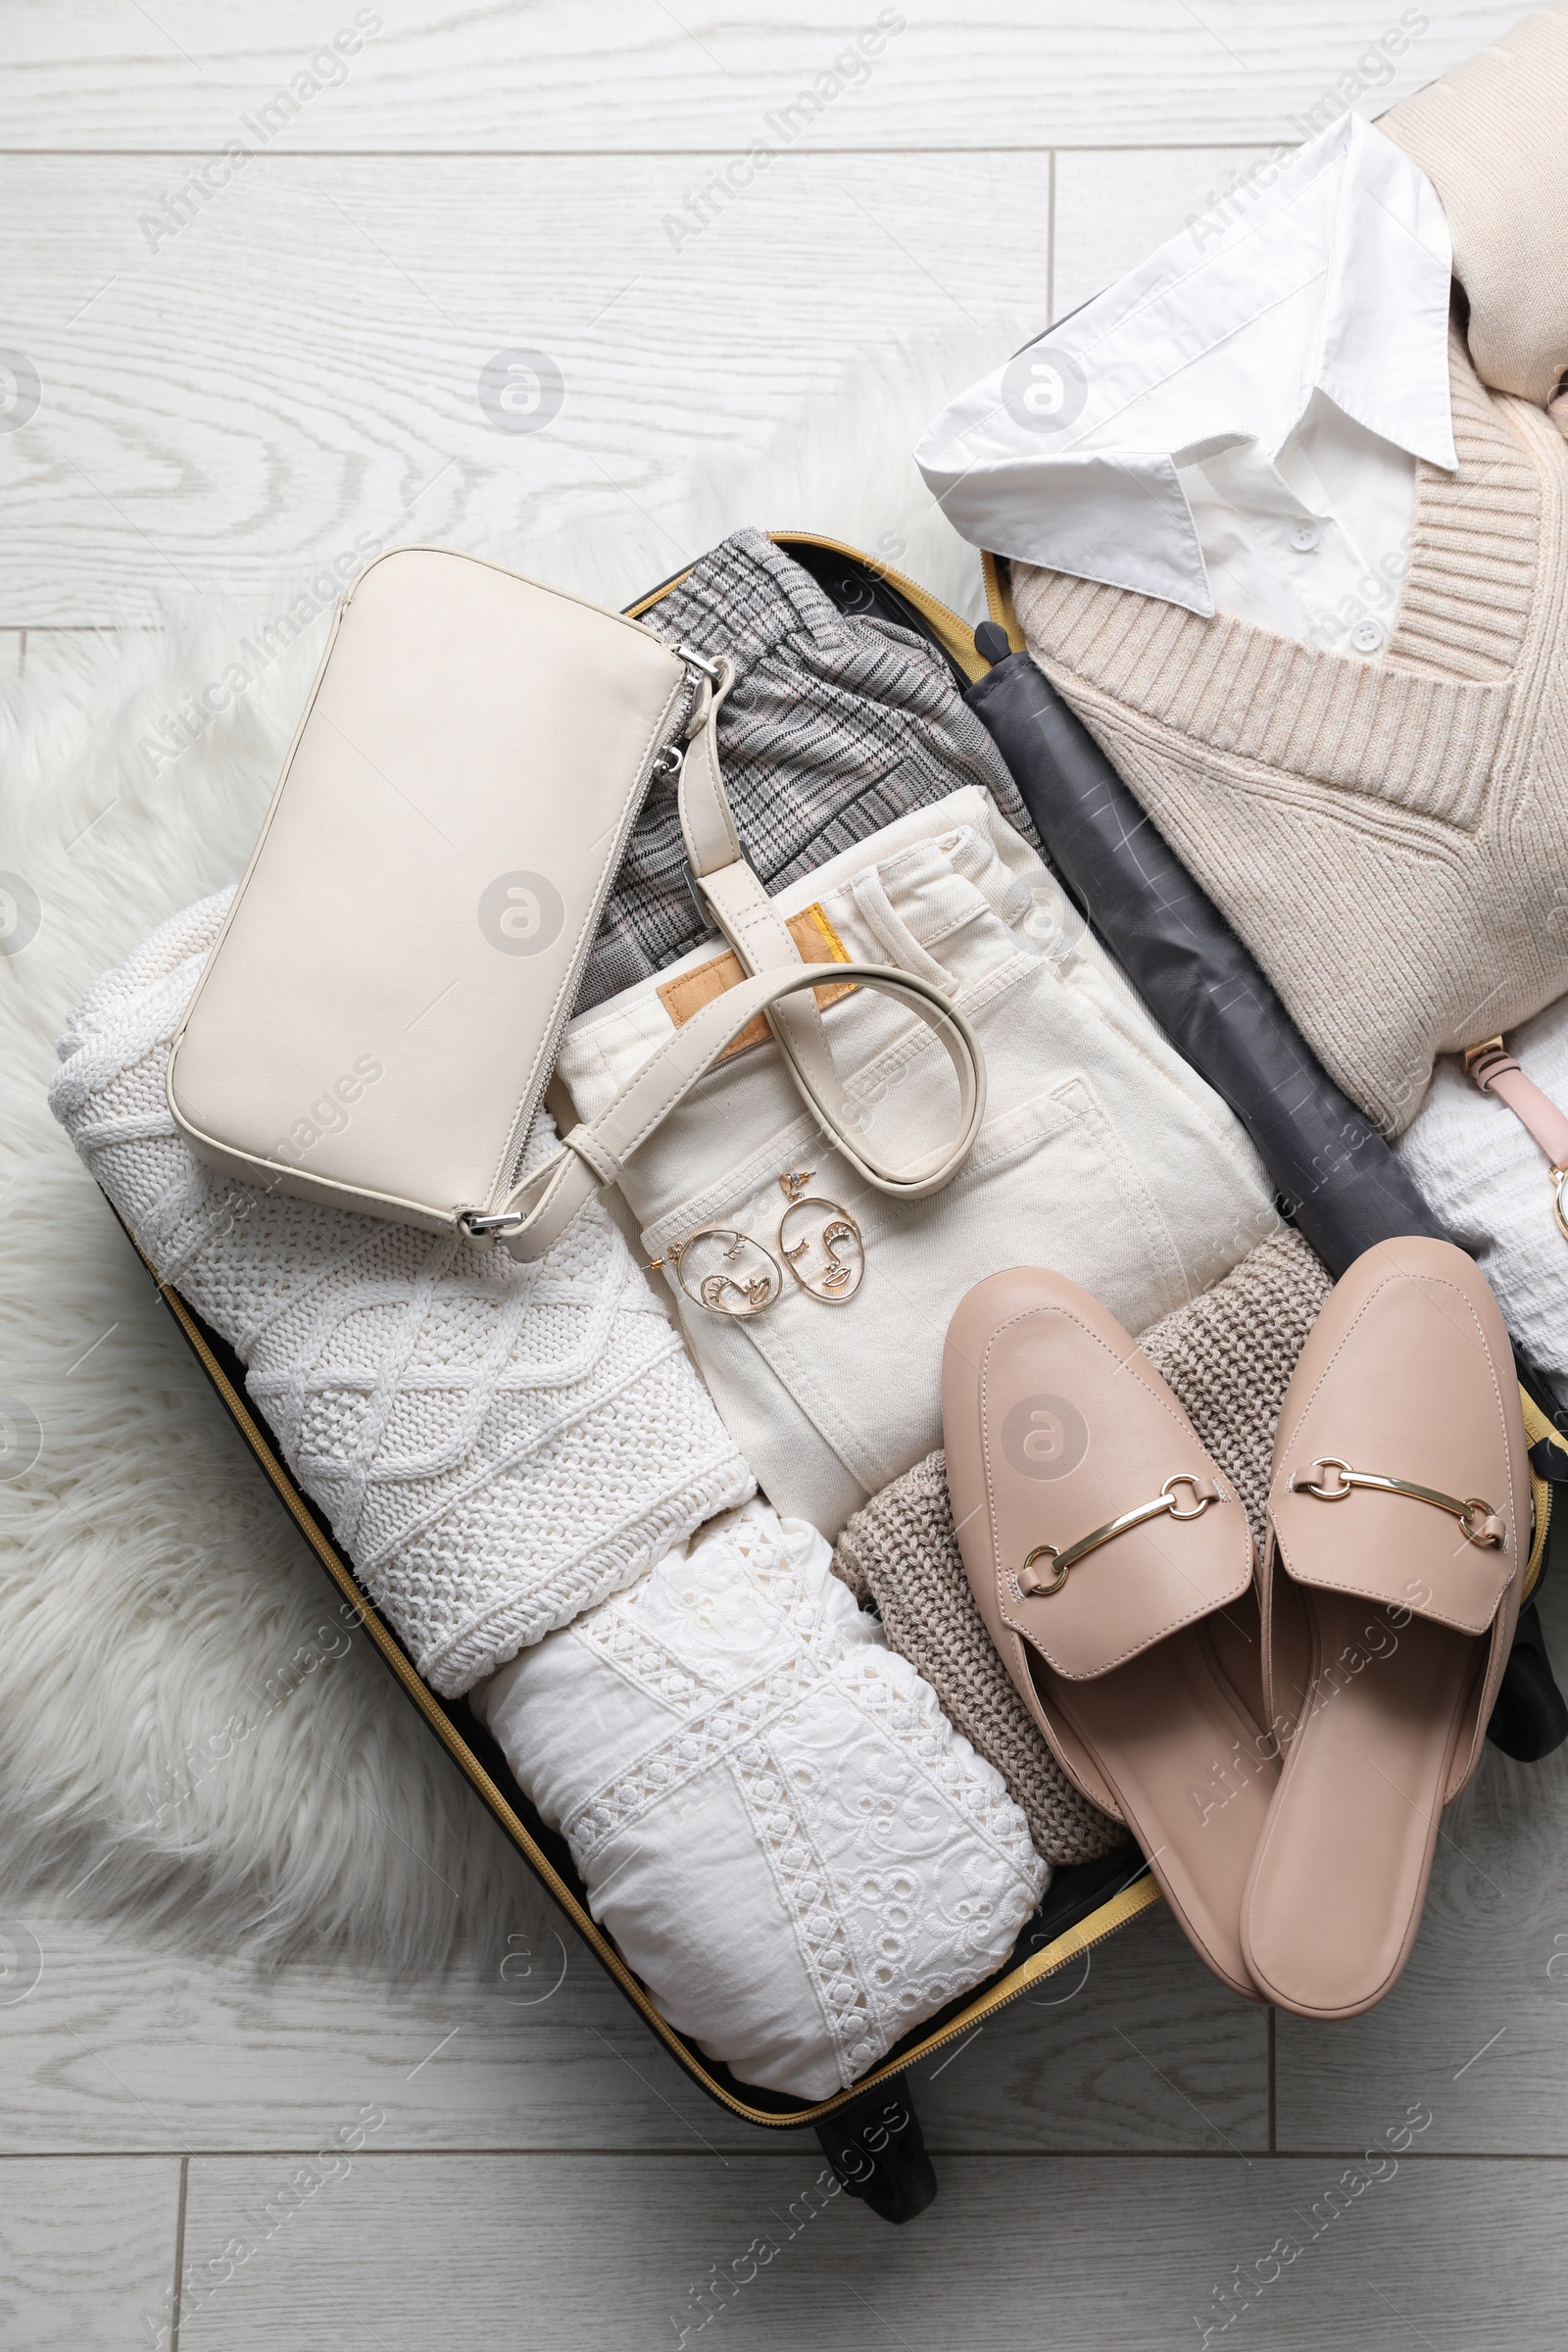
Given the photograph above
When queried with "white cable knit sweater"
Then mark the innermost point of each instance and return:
(496, 1447)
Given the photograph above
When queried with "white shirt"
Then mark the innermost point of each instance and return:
(1234, 425)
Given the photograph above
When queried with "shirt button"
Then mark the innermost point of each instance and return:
(1367, 636)
(1304, 536)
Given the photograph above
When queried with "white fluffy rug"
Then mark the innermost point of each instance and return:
(187, 1732)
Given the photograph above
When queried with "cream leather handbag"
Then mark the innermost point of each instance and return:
(380, 1017)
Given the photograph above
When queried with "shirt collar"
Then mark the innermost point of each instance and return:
(1068, 456)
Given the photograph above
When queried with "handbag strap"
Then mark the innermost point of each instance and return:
(740, 909)
(1496, 1072)
(594, 1153)
(777, 984)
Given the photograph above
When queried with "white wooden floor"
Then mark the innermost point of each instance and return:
(233, 402)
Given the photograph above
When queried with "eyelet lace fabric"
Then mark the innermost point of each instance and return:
(496, 1447)
(788, 1841)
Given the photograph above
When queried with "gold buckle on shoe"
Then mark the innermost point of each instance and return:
(1033, 1587)
(1479, 1523)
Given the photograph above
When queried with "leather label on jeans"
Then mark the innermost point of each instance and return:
(689, 992)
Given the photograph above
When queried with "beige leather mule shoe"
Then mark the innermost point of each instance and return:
(1400, 1533)
(1100, 1539)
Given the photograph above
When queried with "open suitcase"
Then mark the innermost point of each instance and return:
(869, 2132)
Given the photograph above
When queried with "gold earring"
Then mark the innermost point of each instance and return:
(723, 1269)
(830, 1236)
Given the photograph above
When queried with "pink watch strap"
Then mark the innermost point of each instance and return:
(1496, 1071)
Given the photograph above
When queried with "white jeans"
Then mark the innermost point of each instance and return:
(1103, 1155)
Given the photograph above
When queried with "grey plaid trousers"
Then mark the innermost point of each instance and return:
(835, 727)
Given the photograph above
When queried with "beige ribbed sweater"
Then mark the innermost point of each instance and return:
(1391, 838)
(1490, 137)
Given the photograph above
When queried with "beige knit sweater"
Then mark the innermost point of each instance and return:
(1390, 838)
(1489, 136)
